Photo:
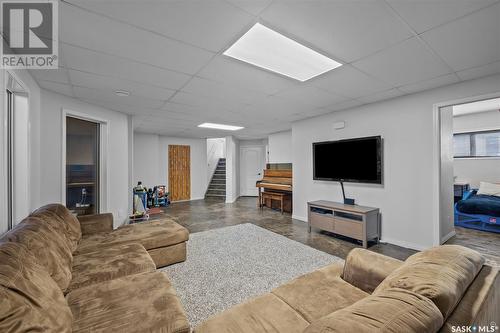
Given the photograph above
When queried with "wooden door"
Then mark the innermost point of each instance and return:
(179, 172)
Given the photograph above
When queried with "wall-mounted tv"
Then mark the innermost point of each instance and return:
(356, 160)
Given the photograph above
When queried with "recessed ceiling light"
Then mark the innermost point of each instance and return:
(266, 48)
(122, 93)
(221, 127)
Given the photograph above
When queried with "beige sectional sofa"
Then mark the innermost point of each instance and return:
(61, 274)
(435, 290)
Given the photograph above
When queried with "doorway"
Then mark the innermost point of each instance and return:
(252, 161)
(468, 157)
(18, 205)
(179, 172)
(82, 166)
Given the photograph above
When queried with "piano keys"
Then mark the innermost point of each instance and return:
(279, 181)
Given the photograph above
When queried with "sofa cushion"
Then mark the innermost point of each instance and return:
(481, 301)
(392, 311)
(30, 300)
(136, 303)
(441, 274)
(366, 269)
(47, 245)
(168, 255)
(319, 293)
(61, 219)
(151, 235)
(110, 263)
(266, 313)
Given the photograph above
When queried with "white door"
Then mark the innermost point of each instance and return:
(252, 164)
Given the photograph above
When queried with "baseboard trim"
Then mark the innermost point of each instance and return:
(192, 199)
(408, 245)
(300, 218)
(448, 236)
(232, 201)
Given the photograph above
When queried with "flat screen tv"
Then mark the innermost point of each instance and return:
(353, 160)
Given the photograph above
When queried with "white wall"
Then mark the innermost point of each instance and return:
(280, 147)
(147, 159)
(151, 161)
(51, 151)
(475, 170)
(45, 148)
(216, 149)
(232, 169)
(407, 127)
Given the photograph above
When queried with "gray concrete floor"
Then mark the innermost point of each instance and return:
(209, 214)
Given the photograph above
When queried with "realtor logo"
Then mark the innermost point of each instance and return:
(30, 34)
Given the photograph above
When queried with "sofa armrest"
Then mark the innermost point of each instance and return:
(365, 269)
(97, 223)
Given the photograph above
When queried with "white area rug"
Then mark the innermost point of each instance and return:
(227, 266)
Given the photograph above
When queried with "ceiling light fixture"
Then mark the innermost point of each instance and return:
(268, 49)
(221, 126)
(122, 93)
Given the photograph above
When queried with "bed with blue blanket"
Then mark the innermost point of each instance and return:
(477, 211)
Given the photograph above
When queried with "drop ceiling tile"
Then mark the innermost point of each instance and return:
(350, 82)
(176, 115)
(430, 84)
(208, 24)
(170, 122)
(244, 76)
(480, 71)
(59, 88)
(204, 114)
(392, 93)
(55, 75)
(81, 28)
(130, 108)
(407, 62)
(345, 29)
(138, 120)
(345, 105)
(311, 96)
(115, 102)
(207, 104)
(424, 15)
(212, 89)
(174, 119)
(254, 7)
(470, 41)
(102, 64)
(110, 85)
(277, 108)
(314, 113)
(182, 108)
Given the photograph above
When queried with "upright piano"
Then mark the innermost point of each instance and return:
(276, 181)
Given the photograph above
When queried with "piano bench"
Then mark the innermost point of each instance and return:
(273, 196)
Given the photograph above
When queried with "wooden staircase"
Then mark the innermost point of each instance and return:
(217, 186)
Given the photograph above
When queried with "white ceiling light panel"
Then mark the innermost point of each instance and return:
(268, 49)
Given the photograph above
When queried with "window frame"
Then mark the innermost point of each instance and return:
(472, 142)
